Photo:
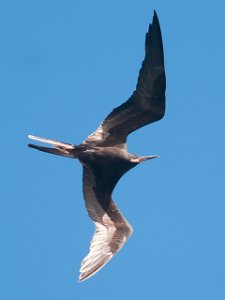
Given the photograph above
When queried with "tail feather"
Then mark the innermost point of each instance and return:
(51, 142)
(59, 148)
(54, 151)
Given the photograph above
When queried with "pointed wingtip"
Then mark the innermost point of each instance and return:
(155, 17)
(82, 277)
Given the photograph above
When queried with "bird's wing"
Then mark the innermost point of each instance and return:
(111, 232)
(146, 105)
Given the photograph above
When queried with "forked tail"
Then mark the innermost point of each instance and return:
(59, 148)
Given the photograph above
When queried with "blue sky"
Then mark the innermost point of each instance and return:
(64, 66)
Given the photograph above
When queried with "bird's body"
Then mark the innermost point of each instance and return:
(104, 155)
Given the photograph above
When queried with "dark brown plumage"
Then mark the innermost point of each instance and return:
(105, 158)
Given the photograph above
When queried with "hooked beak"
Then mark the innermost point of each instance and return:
(143, 158)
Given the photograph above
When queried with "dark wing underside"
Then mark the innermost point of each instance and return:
(146, 105)
(111, 228)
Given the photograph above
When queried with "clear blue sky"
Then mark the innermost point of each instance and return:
(64, 66)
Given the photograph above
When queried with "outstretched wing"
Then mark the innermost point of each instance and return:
(146, 105)
(111, 232)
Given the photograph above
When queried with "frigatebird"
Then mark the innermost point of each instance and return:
(105, 158)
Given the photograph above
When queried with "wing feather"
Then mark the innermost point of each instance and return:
(111, 228)
(147, 103)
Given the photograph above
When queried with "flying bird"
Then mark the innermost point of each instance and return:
(105, 158)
